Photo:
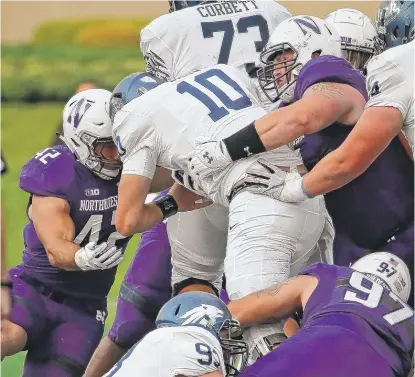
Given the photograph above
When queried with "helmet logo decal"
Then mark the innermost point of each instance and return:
(307, 24)
(204, 315)
(78, 111)
(120, 148)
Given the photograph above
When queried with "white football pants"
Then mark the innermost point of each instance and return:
(267, 242)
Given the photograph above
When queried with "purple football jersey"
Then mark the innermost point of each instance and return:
(374, 206)
(347, 298)
(56, 172)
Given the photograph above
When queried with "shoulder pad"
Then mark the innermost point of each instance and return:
(314, 269)
(49, 173)
(329, 69)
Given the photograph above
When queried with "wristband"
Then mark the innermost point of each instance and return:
(167, 205)
(304, 191)
(244, 143)
(7, 284)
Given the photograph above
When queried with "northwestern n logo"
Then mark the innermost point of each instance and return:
(307, 24)
(78, 111)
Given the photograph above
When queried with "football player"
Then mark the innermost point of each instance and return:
(263, 237)
(72, 248)
(195, 35)
(355, 320)
(327, 97)
(145, 288)
(192, 339)
(200, 34)
(358, 36)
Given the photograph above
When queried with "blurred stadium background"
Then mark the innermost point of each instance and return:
(47, 49)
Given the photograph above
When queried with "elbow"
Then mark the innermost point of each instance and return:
(54, 262)
(304, 122)
(127, 225)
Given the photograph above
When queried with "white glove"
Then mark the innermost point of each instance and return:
(208, 158)
(98, 257)
(185, 180)
(275, 183)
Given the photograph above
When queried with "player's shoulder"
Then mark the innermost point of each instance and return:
(329, 69)
(318, 269)
(49, 171)
(171, 23)
(392, 58)
(273, 8)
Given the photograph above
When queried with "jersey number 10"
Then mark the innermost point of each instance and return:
(216, 112)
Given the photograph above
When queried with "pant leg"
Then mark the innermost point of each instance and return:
(146, 287)
(266, 239)
(29, 309)
(345, 251)
(65, 350)
(198, 244)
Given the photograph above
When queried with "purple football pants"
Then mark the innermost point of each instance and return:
(62, 331)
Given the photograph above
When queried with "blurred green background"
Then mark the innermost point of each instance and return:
(48, 49)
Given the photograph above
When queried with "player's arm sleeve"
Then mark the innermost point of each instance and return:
(137, 143)
(54, 178)
(387, 86)
(157, 54)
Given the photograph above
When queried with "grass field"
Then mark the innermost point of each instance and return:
(27, 129)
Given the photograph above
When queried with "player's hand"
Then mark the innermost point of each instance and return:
(275, 183)
(185, 180)
(208, 158)
(188, 200)
(95, 256)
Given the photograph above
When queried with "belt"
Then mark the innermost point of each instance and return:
(43, 289)
(300, 169)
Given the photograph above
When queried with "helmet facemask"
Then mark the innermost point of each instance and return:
(235, 352)
(89, 151)
(357, 55)
(279, 74)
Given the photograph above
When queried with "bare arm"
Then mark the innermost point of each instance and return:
(133, 215)
(278, 301)
(162, 180)
(371, 135)
(211, 374)
(55, 230)
(322, 105)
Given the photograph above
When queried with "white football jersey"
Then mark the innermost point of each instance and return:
(172, 351)
(162, 126)
(227, 32)
(390, 83)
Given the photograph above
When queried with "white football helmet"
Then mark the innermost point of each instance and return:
(87, 128)
(358, 35)
(305, 36)
(390, 269)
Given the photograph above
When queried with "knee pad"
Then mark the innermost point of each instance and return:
(144, 304)
(134, 318)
